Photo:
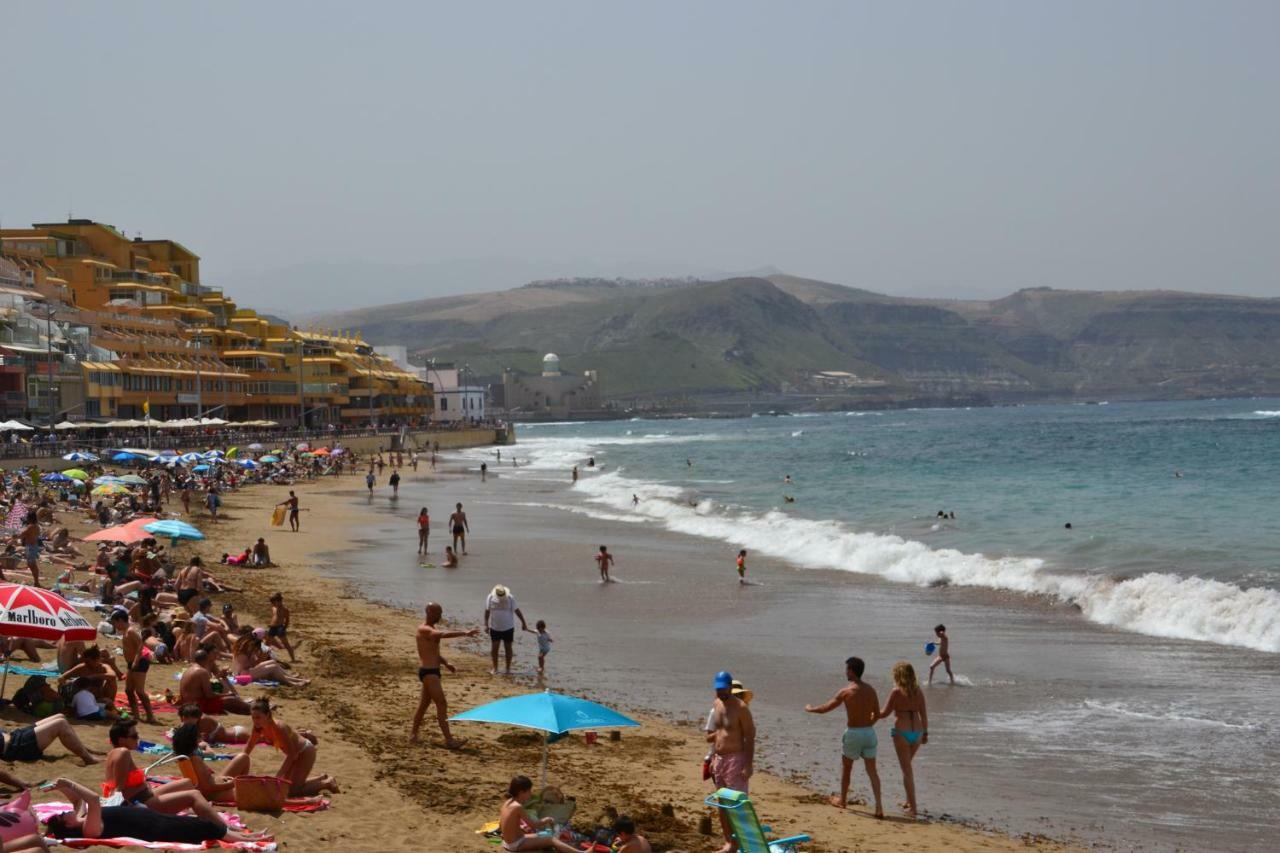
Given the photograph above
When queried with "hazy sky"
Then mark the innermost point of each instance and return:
(946, 148)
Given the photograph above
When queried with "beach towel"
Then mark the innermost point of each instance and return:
(158, 703)
(47, 670)
(44, 811)
(149, 748)
(290, 805)
(177, 676)
(277, 516)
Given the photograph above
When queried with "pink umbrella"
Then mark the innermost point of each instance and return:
(28, 611)
(126, 533)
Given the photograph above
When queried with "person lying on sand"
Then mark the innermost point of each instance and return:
(89, 819)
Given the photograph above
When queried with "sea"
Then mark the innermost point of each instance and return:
(1110, 582)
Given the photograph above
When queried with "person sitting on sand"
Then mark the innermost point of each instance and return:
(261, 554)
(430, 660)
(299, 752)
(516, 825)
(28, 743)
(197, 687)
(88, 818)
(450, 558)
(248, 658)
(629, 841)
(98, 668)
(862, 708)
(211, 730)
(186, 741)
(125, 777)
(278, 627)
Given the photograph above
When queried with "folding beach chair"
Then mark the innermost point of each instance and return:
(746, 825)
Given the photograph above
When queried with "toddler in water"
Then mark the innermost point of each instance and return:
(603, 560)
(944, 653)
(742, 566)
(544, 644)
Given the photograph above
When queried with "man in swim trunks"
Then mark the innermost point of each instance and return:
(30, 538)
(459, 527)
(292, 503)
(138, 659)
(862, 707)
(429, 663)
(196, 688)
(732, 733)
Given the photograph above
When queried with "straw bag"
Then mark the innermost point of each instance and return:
(261, 793)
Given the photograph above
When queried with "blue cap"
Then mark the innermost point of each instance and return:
(723, 680)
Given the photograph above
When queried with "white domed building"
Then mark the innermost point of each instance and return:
(555, 394)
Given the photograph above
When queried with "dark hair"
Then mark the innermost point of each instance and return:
(604, 548)
(118, 614)
(262, 705)
(201, 655)
(57, 827)
(857, 665)
(206, 603)
(519, 784)
(276, 596)
(541, 625)
(190, 710)
(186, 739)
(120, 729)
(939, 627)
(624, 824)
(91, 653)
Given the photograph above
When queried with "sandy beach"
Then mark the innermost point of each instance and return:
(400, 796)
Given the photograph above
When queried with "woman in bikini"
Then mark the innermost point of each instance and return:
(518, 828)
(299, 753)
(910, 725)
(130, 781)
(249, 659)
(216, 787)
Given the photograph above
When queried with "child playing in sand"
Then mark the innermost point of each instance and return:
(278, 629)
(742, 566)
(944, 653)
(603, 560)
(629, 841)
(544, 645)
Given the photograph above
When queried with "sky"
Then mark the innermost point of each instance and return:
(320, 155)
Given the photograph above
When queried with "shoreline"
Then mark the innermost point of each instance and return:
(359, 653)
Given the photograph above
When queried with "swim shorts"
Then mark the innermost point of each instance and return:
(33, 553)
(21, 745)
(142, 664)
(859, 743)
(276, 631)
(507, 635)
(730, 771)
(185, 595)
(424, 671)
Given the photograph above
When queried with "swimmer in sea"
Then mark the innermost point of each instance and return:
(787, 479)
(635, 500)
(944, 653)
(742, 566)
(788, 499)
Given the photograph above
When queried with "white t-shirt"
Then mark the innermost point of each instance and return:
(502, 611)
(85, 703)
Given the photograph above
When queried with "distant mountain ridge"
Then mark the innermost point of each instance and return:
(656, 337)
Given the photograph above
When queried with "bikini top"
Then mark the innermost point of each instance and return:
(137, 778)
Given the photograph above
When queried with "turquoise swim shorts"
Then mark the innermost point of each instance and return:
(859, 743)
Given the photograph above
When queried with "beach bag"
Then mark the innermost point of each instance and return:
(261, 793)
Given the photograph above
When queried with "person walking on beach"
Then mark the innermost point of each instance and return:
(910, 725)
(575, 473)
(944, 653)
(137, 658)
(544, 644)
(30, 539)
(603, 560)
(430, 661)
(278, 627)
(861, 710)
(424, 529)
(292, 504)
(394, 482)
(369, 480)
(500, 614)
(484, 471)
(732, 733)
(742, 566)
(460, 527)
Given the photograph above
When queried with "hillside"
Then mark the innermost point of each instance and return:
(785, 333)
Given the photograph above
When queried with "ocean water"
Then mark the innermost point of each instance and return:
(1175, 521)
(1118, 682)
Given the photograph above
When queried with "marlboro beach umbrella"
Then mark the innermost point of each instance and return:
(27, 611)
(548, 712)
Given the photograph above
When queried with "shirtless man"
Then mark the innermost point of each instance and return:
(196, 688)
(628, 840)
(30, 538)
(944, 653)
(292, 504)
(733, 738)
(137, 658)
(459, 527)
(429, 663)
(862, 707)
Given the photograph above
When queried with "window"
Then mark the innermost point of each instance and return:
(444, 404)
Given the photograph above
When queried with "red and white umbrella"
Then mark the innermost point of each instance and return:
(27, 611)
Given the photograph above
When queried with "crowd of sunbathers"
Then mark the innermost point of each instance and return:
(157, 609)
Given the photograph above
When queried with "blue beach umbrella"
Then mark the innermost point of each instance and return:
(57, 478)
(269, 458)
(126, 457)
(548, 712)
(200, 469)
(80, 456)
(173, 529)
(247, 463)
(214, 454)
(188, 458)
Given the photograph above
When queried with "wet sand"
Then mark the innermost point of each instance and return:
(399, 796)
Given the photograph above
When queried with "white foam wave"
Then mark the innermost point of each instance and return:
(1157, 604)
(1263, 413)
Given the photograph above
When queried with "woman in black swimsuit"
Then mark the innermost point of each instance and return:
(89, 819)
